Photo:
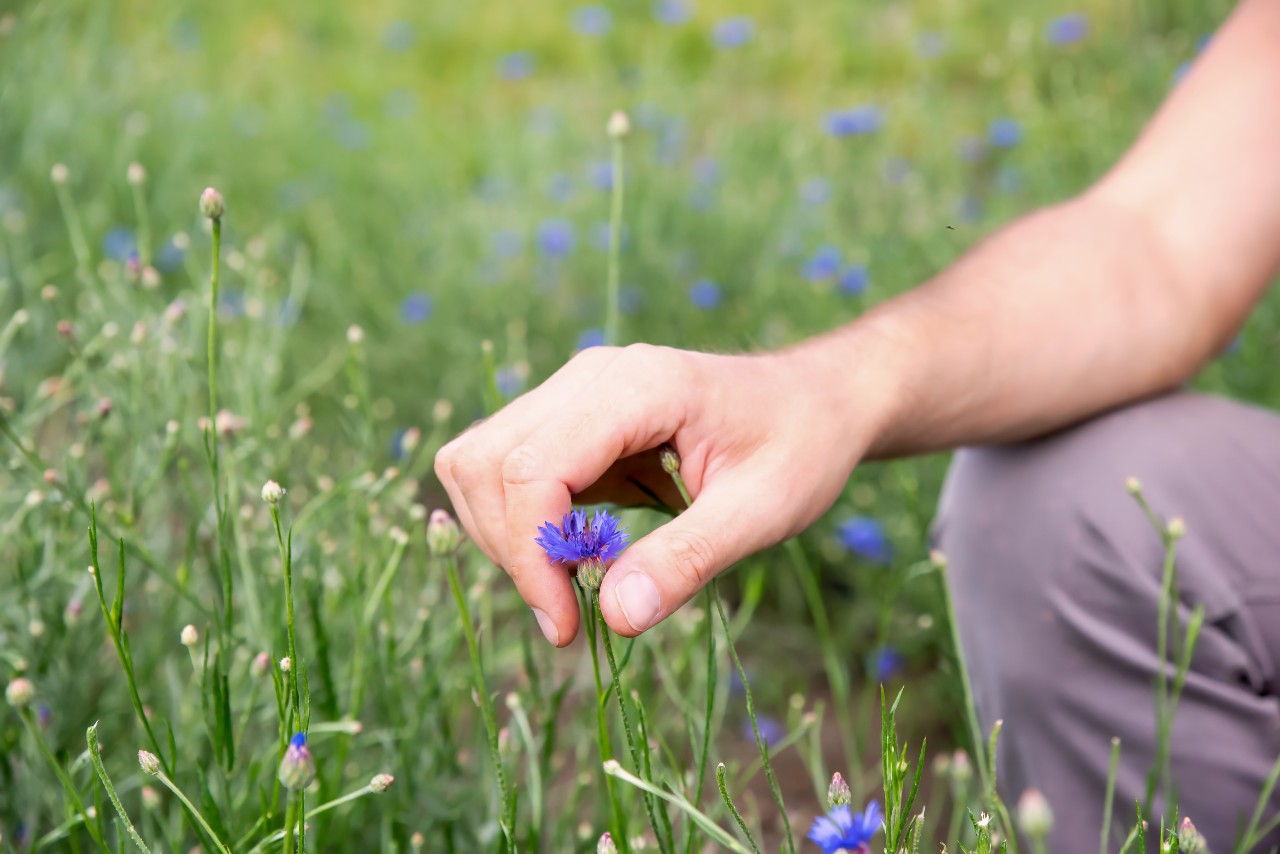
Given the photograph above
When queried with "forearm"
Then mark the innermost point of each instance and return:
(1069, 311)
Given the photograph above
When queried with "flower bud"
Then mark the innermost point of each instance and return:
(670, 459)
(211, 205)
(1133, 486)
(619, 125)
(443, 535)
(355, 334)
(590, 573)
(190, 637)
(285, 664)
(272, 492)
(260, 665)
(961, 769)
(605, 845)
(1190, 840)
(59, 173)
(297, 768)
(1177, 528)
(838, 793)
(150, 798)
(380, 783)
(417, 841)
(137, 175)
(148, 762)
(1034, 816)
(20, 692)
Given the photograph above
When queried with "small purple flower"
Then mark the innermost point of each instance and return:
(592, 20)
(1067, 29)
(169, 257)
(771, 729)
(858, 121)
(863, 536)
(398, 37)
(297, 768)
(517, 65)
(884, 662)
(1004, 133)
(119, 243)
(672, 12)
(733, 32)
(589, 546)
(844, 830)
(590, 338)
(416, 308)
(509, 380)
(825, 264)
(854, 281)
(705, 294)
(816, 191)
(555, 238)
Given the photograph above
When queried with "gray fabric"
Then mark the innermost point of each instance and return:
(1056, 577)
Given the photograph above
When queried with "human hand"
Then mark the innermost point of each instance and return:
(765, 442)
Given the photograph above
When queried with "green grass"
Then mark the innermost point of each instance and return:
(266, 102)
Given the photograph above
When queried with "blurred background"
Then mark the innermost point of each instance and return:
(438, 174)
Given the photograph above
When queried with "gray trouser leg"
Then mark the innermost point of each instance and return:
(1056, 576)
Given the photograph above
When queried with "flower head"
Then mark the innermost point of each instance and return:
(1067, 29)
(443, 535)
(838, 793)
(297, 769)
(590, 546)
(380, 783)
(211, 205)
(844, 830)
(148, 762)
(864, 537)
(272, 492)
(20, 692)
(1035, 819)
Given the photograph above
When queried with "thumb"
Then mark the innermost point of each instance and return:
(662, 571)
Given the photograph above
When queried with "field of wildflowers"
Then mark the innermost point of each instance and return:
(233, 613)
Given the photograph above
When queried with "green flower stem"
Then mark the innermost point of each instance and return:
(632, 748)
(970, 707)
(1112, 771)
(213, 331)
(290, 822)
(68, 785)
(611, 316)
(144, 224)
(193, 812)
(722, 836)
(705, 749)
(295, 665)
(507, 819)
(602, 721)
(91, 738)
(279, 835)
(75, 230)
(723, 785)
(761, 744)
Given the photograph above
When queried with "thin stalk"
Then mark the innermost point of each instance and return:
(733, 809)
(602, 722)
(1112, 771)
(286, 558)
(79, 245)
(144, 224)
(193, 812)
(705, 749)
(67, 784)
(970, 707)
(290, 820)
(323, 808)
(91, 737)
(722, 836)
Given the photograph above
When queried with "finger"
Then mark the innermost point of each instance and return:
(662, 571)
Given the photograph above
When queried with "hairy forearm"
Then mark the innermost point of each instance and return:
(1067, 312)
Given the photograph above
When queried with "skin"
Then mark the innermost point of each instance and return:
(1117, 294)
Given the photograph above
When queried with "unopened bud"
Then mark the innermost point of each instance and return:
(297, 768)
(272, 492)
(211, 206)
(1034, 816)
(285, 664)
(59, 173)
(260, 665)
(443, 535)
(590, 574)
(137, 175)
(1177, 528)
(380, 783)
(149, 762)
(838, 793)
(619, 125)
(1190, 840)
(670, 459)
(605, 845)
(20, 692)
(190, 637)
(961, 768)
(1133, 486)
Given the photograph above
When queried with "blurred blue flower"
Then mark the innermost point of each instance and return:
(863, 536)
(602, 235)
(705, 294)
(854, 281)
(416, 308)
(398, 37)
(1008, 178)
(506, 243)
(843, 830)
(509, 380)
(560, 187)
(1203, 42)
(231, 303)
(672, 12)
(119, 243)
(555, 238)
(576, 540)
(733, 32)
(1005, 133)
(601, 173)
(168, 257)
(930, 44)
(44, 715)
(1067, 29)
(971, 148)
(884, 662)
(771, 729)
(399, 104)
(824, 264)
(517, 65)
(860, 120)
(590, 338)
(592, 20)
(352, 135)
(815, 191)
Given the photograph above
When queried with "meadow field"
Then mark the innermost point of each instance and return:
(415, 220)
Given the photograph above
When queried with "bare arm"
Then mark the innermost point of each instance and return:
(1117, 294)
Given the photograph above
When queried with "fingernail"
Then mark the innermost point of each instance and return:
(639, 600)
(548, 628)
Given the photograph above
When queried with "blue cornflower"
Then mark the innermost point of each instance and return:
(592, 20)
(1067, 29)
(516, 65)
(398, 36)
(884, 662)
(705, 294)
(863, 536)
(601, 174)
(825, 264)
(857, 121)
(416, 308)
(672, 12)
(844, 830)
(169, 257)
(854, 281)
(1005, 133)
(119, 243)
(297, 768)
(589, 546)
(590, 338)
(555, 238)
(733, 32)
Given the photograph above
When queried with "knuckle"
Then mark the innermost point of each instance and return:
(446, 461)
(521, 465)
(693, 557)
